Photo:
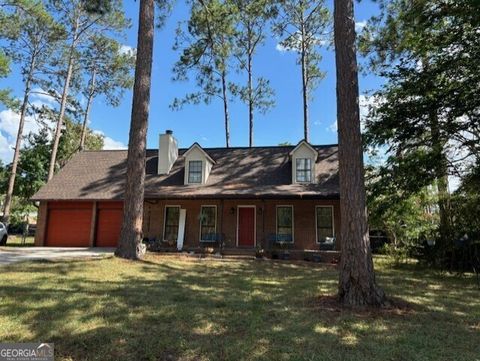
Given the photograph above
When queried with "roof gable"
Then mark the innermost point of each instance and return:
(198, 147)
(306, 144)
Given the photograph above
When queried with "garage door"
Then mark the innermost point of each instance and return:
(68, 224)
(109, 221)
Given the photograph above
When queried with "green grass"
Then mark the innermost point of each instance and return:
(182, 309)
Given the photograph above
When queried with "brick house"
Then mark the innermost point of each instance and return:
(241, 197)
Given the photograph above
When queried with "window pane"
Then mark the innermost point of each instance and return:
(172, 218)
(324, 223)
(303, 169)
(208, 221)
(195, 171)
(285, 223)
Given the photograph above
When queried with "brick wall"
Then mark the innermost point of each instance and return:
(304, 219)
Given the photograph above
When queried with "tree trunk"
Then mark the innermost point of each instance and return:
(63, 104)
(225, 108)
(357, 286)
(87, 111)
(304, 88)
(129, 245)
(250, 91)
(16, 154)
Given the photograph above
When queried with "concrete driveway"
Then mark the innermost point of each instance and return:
(19, 254)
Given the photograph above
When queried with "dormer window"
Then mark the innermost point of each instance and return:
(198, 165)
(303, 170)
(304, 157)
(195, 171)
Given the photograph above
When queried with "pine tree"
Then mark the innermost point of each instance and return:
(206, 51)
(357, 285)
(302, 26)
(32, 36)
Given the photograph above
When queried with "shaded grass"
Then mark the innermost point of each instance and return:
(15, 240)
(181, 309)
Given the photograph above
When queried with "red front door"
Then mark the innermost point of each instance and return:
(246, 227)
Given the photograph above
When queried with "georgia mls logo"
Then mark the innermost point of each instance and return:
(26, 352)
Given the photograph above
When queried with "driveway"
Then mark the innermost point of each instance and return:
(19, 254)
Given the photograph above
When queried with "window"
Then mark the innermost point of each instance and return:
(325, 232)
(285, 224)
(172, 219)
(208, 223)
(303, 170)
(195, 171)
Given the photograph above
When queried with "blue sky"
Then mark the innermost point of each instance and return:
(204, 123)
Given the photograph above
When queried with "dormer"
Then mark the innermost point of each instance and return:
(198, 165)
(304, 157)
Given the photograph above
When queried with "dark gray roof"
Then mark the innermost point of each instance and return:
(238, 173)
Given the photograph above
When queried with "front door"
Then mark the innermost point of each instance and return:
(246, 226)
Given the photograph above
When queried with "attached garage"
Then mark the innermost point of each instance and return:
(69, 224)
(109, 222)
(82, 224)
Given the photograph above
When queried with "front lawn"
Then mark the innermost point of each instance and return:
(182, 309)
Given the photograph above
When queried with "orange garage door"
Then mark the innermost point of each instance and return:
(69, 224)
(109, 221)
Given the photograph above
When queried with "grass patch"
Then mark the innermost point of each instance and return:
(15, 240)
(182, 309)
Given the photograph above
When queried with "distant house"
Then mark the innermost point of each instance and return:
(241, 197)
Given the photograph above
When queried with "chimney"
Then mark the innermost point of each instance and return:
(167, 152)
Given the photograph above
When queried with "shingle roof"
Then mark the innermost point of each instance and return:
(238, 173)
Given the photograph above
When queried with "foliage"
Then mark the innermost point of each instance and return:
(409, 220)
(429, 108)
(426, 118)
(206, 48)
(466, 207)
(108, 69)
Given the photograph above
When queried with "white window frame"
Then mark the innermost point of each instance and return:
(254, 222)
(293, 220)
(201, 171)
(200, 221)
(165, 218)
(311, 171)
(316, 221)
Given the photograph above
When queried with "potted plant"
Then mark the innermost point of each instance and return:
(284, 254)
(259, 251)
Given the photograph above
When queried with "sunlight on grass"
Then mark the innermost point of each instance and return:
(169, 308)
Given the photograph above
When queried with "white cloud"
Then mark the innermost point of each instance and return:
(127, 49)
(9, 121)
(359, 25)
(40, 96)
(333, 127)
(110, 143)
(281, 48)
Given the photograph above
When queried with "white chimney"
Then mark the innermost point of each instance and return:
(167, 152)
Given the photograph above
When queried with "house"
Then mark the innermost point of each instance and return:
(241, 197)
